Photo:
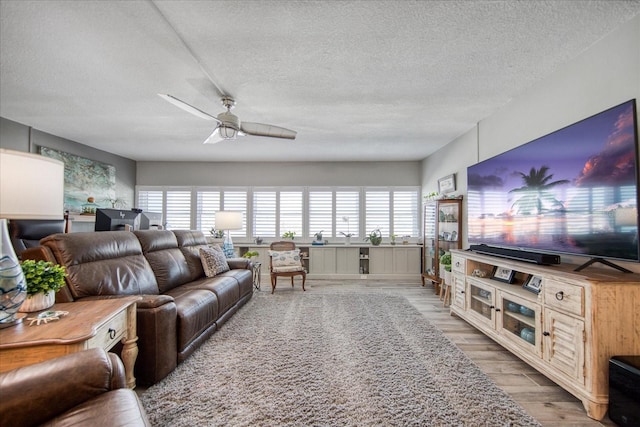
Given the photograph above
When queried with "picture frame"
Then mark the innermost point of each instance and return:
(503, 274)
(447, 184)
(454, 236)
(533, 284)
(446, 236)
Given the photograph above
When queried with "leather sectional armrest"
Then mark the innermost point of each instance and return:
(36, 393)
(239, 263)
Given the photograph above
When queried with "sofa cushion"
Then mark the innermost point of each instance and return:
(197, 311)
(214, 261)
(104, 263)
(160, 247)
(190, 242)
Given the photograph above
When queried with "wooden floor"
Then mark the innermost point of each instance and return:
(539, 396)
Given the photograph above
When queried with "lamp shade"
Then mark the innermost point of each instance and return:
(31, 186)
(228, 220)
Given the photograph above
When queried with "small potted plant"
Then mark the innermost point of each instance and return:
(289, 235)
(445, 267)
(318, 236)
(217, 234)
(250, 255)
(43, 279)
(375, 237)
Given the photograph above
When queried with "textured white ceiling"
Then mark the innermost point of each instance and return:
(358, 80)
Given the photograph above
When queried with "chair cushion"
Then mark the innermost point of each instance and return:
(285, 259)
(287, 269)
(213, 261)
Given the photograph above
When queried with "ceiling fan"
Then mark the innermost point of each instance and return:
(229, 125)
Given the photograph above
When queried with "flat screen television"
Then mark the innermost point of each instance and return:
(115, 219)
(574, 191)
(150, 220)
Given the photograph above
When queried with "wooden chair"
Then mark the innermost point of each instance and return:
(286, 271)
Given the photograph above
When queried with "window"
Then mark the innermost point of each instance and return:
(207, 206)
(178, 210)
(377, 212)
(236, 201)
(269, 212)
(291, 212)
(264, 213)
(405, 207)
(321, 213)
(347, 213)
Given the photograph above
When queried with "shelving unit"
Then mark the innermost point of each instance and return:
(442, 233)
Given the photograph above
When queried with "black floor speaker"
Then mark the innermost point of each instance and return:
(624, 390)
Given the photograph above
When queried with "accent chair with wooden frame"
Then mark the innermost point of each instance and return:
(287, 263)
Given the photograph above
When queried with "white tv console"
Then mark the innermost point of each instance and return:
(568, 331)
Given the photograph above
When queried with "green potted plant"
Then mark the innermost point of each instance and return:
(250, 255)
(289, 235)
(43, 279)
(445, 267)
(375, 237)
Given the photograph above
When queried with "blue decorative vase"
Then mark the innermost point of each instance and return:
(13, 287)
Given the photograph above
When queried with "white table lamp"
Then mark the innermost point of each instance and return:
(31, 187)
(228, 220)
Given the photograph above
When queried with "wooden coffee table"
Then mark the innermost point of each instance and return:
(89, 324)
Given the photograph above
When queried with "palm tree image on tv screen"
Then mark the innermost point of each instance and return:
(573, 191)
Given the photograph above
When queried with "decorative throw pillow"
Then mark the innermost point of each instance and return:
(213, 260)
(282, 261)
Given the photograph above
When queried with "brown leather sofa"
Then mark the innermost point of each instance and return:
(80, 389)
(180, 306)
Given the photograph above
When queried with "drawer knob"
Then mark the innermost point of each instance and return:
(546, 334)
(560, 296)
(112, 333)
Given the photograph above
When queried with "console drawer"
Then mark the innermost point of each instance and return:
(563, 296)
(458, 264)
(110, 332)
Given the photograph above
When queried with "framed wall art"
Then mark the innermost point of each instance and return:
(84, 178)
(447, 184)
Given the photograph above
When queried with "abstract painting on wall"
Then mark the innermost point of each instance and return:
(84, 178)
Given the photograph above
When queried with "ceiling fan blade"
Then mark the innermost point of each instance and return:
(188, 108)
(215, 137)
(261, 129)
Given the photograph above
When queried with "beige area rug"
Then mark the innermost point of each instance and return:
(330, 359)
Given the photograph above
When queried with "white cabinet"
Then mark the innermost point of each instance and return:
(406, 260)
(568, 331)
(322, 260)
(394, 260)
(380, 260)
(347, 260)
(565, 344)
(458, 291)
(352, 261)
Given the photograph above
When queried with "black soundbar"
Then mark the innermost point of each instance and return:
(534, 257)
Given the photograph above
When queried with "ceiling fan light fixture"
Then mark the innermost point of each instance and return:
(227, 132)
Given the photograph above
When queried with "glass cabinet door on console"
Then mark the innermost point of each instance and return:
(442, 232)
(520, 321)
(481, 302)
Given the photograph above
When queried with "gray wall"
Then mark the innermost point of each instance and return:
(279, 174)
(605, 75)
(16, 136)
